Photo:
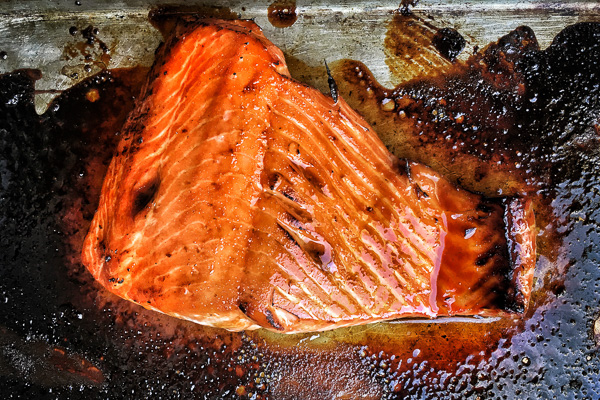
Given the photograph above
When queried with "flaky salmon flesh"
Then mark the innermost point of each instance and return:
(240, 198)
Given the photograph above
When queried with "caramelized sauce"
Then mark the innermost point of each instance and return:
(52, 168)
(282, 13)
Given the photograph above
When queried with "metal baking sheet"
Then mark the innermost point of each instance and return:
(59, 339)
(35, 34)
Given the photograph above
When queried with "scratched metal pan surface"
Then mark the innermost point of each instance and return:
(71, 72)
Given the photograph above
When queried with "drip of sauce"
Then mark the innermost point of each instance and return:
(282, 13)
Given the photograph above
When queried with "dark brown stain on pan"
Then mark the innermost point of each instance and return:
(408, 48)
(282, 13)
(93, 53)
(449, 42)
(51, 170)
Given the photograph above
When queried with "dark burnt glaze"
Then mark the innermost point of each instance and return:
(449, 42)
(52, 168)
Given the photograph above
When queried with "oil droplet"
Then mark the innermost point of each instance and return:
(388, 104)
(92, 95)
(241, 390)
(282, 13)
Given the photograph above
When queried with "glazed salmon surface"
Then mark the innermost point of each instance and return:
(240, 198)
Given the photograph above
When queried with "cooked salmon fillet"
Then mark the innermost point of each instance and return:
(240, 198)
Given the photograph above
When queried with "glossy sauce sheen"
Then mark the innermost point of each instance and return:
(240, 198)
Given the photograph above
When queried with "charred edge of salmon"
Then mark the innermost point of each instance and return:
(520, 237)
